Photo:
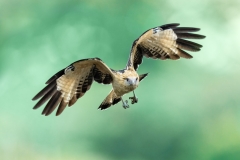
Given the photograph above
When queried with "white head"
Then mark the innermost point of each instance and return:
(131, 81)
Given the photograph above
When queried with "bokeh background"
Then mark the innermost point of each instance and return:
(187, 110)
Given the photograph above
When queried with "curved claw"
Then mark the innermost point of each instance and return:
(125, 104)
(134, 99)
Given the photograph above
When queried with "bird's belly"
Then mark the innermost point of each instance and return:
(120, 90)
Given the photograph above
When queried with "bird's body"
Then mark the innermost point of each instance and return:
(125, 81)
(71, 83)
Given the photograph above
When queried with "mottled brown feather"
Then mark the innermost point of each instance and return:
(190, 36)
(56, 76)
(55, 104)
(61, 107)
(164, 42)
(73, 100)
(184, 54)
(52, 102)
(110, 100)
(185, 29)
(46, 97)
(71, 83)
(44, 90)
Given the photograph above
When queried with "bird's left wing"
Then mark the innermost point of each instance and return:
(71, 83)
(164, 42)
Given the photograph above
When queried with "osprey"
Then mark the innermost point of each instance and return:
(162, 42)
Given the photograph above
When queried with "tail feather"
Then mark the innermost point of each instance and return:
(111, 99)
(142, 76)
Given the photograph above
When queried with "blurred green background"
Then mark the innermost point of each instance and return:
(187, 110)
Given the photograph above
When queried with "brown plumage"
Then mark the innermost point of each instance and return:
(68, 85)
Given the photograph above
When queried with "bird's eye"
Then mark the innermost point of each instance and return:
(125, 79)
(136, 78)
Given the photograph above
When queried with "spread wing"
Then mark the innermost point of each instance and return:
(71, 83)
(164, 42)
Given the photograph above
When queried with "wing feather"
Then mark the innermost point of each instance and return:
(56, 102)
(45, 97)
(190, 36)
(52, 103)
(184, 54)
(164, 42)
(172, 25)
(61, 107)
(187, 45)
(45, 90)
(56, 76)
(71, 83)
(73, 100)
(185, 29)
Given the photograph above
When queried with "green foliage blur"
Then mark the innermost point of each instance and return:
(187, 109)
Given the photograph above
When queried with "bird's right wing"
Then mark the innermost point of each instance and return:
(71, 83)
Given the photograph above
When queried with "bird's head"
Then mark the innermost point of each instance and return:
(131, 81)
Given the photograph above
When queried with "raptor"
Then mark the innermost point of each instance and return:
(71, 83)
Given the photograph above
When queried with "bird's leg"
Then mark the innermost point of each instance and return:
(134, 98)
(125, 104)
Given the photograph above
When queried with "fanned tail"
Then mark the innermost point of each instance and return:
(111, 99)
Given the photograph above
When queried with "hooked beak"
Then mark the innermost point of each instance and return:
(132, 81)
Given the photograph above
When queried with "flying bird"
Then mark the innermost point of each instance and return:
(71, 83)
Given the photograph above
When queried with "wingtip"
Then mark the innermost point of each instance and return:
(101, 109)
(37, 96)
(51, 79)
(170, 25)
(176, 24)
(173, 24)
(35, 107)
(46, 113)
(196, 29)
(193, 29)
(185, 29)
(34, 98)
(59, 111)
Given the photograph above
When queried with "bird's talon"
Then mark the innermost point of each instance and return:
(125, 104)
(134, 99)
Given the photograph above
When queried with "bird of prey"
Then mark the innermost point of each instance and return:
(162, 42)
